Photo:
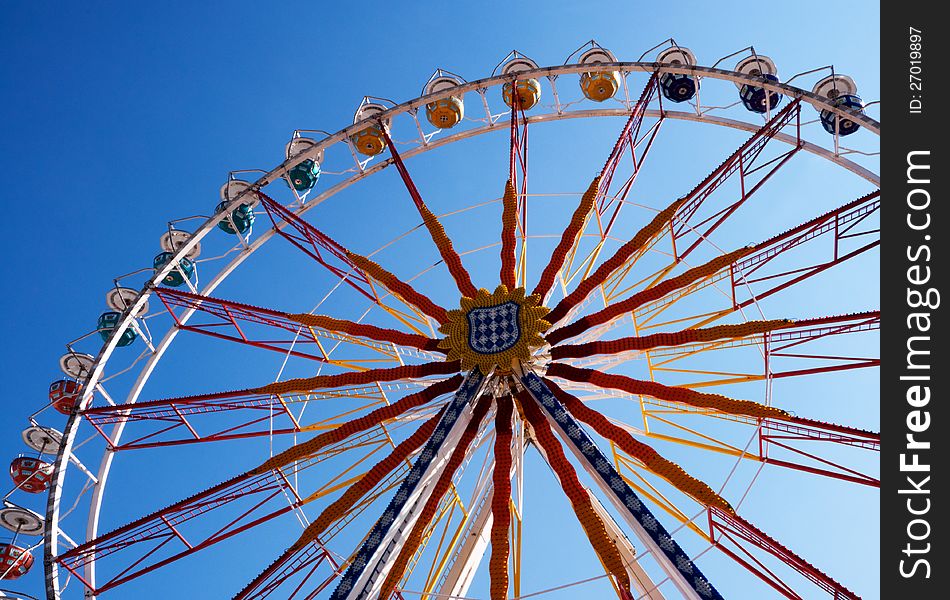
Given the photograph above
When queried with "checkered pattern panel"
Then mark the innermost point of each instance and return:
(494, 329)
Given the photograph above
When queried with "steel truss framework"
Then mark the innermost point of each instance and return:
(256, 497)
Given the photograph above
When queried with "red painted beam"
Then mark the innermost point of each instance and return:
(219, 417)
(742, 159)
(283, 332)
(319, 246)
(740, 531)
(159, 539)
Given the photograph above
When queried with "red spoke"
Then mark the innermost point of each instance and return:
(836, 222)
(414, 539)
(724, 522)
(316, 244)
(518, 156)
(399, 287)
(648, 295)
(746, 267)
(686, 396)
(517, 147)
(509, 222)
(741, 161)
(600, 187)
(579, 498)
(518, 161)
(798, 429)
(790, 351)
(306, 561)
(782, 434)
(501, 500)
(143, 538)
(568, 239)
(813, 429)
(307, 384)
(716, 505)
(637, 243)
(366, 331)
(449, 255)
(200, 419)
(628, 138)
(807, 331)
(676, 338)
(264, 403)
(233, 314)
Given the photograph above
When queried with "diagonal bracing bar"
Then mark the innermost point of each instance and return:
(265, 410)
(638, 140)
(410, 545)
(300, 555)
(777, 428)
(801, 348)
(690, 220)
(732, 534)
(359, 272)
(743, 162)
(515, 200)
(723, 522)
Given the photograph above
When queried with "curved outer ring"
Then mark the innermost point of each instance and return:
(53, 505)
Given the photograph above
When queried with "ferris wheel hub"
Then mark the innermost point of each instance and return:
(495, 328)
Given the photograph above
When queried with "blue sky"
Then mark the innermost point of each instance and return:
(117, 119)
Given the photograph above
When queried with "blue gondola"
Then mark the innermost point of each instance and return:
(108, 321)
(242, 218)
(175, 277)
(758, 99)
(845, 126)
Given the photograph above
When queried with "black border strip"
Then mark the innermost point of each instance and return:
(914, 261)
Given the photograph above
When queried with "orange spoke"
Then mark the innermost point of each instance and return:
(372, 477)
(336, 510)
(411, 544)
(604, 271)
(590, 521)
(509, 221)
(716, 402)
(380, 334)
(568, 238)
(501, 501)
(451, 257)
(355, 269)
(307, 384)
(676, 338)
(648, 295)
(398, 287)
(666, 469)
(380, 415)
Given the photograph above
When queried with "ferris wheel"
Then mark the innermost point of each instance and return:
(612, 339)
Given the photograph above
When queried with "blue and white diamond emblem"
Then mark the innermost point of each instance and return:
(494, 329)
